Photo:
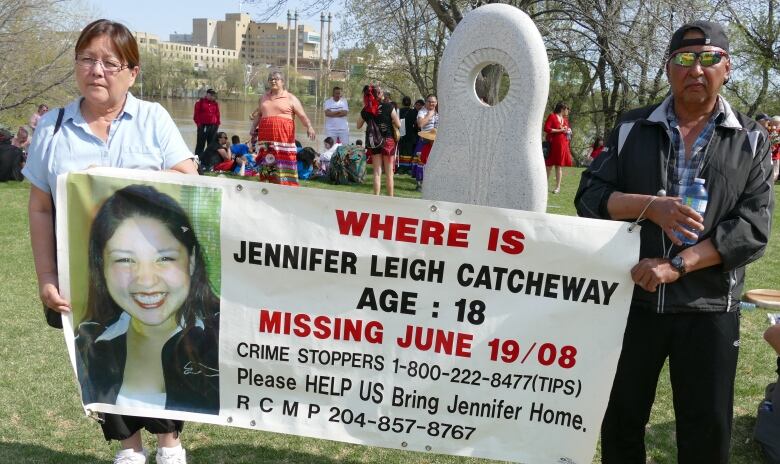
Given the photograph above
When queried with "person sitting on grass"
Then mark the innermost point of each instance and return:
(244, 160)
(325, 156)
(306, 159)
(219, 154)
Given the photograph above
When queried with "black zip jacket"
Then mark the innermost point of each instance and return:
(190, 386)
(737, 167)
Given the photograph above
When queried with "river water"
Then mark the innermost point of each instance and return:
(234, 116)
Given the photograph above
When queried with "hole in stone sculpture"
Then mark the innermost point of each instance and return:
(492, 84)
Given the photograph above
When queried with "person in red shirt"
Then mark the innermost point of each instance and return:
(598, 147)
(206, 117)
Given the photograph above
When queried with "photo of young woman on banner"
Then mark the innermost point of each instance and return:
(149, 334)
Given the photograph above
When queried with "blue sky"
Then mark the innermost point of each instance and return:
(163, 17)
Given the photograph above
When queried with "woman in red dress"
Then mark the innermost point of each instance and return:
(558, 134)
(276, 130)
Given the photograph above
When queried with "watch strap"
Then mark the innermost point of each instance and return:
(679, 264)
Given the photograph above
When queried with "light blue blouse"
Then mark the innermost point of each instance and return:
(143, 136)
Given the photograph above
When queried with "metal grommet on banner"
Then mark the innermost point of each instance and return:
(433, 208)
(252, 423)
(239, 187)
(229, 420)
(458, 212)
(264, 191)
(403, 444)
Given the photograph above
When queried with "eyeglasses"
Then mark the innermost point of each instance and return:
(706, 59)
(272, 79)
(109, 66)
(431, 101)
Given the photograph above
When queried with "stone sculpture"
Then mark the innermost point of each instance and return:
(491, 155)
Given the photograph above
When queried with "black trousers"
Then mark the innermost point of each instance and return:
(702, 349)
(206, 135)
(120, 427)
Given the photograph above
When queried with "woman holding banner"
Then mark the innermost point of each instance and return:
(105, 126)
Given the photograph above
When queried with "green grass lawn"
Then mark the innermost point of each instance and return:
(41, 420)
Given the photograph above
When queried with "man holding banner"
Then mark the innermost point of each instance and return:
(686, 300)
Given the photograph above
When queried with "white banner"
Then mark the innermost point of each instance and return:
(410, 324)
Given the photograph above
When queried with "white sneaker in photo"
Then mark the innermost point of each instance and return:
(130, 456)
(175, 455)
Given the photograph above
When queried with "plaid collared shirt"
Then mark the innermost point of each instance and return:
(680, 171)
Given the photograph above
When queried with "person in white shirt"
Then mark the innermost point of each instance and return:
(330, 148)
(336, 111)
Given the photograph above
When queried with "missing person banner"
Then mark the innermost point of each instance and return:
(418, 325)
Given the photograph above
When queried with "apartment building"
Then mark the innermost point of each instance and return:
(201, 57)
(267, 43)
(215, 43)
(256, 43)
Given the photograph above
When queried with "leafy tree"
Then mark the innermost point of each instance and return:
(755, 50)
(37, 38)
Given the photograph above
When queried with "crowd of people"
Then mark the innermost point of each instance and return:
(396, 139)
(14, 147)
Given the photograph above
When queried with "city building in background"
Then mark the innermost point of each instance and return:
(200, 57)
(302, 51)
(180, 38)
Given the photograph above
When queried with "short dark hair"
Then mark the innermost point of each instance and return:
(406, 101)
(328, 141)
(358, 143)
(560, 106)
(336, 88)
(235, 139)
(420, 102)
(119, 35)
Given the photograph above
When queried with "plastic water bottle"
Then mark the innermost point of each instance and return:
(242, 171)
(696, 197)
(747, 306)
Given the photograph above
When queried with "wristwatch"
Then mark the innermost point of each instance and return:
(678, 263)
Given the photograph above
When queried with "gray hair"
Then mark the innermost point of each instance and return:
(279, 75)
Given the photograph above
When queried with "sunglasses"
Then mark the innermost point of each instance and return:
(706, 59)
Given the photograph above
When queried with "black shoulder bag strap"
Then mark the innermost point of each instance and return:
(53, 318)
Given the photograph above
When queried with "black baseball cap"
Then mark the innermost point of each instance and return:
(211, 91)
(714, 35)
(762, 117)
